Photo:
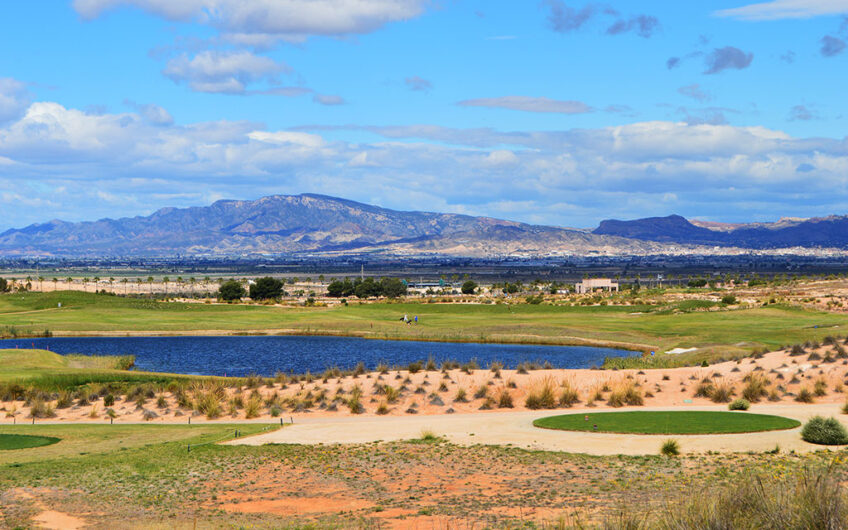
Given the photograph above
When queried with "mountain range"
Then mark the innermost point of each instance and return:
(825, 232)
(319, 224)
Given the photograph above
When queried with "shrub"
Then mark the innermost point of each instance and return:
(811, 498)
(504, 399)
(705, 389)
(728, 299)
(208, 403)
(542, 395)
(824, 431)
(108, 400)
(41, 409)
(804, 396)
(252, 408)
(722, 393)
(670, 448)
(392, 393)
(481, 392)
(625, 394)
(568, 395)
(461, 396)
(739, 404)
(383, 408)
(64, 400)
(820, 387)
(756, 388)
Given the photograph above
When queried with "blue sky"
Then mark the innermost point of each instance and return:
(550, 112)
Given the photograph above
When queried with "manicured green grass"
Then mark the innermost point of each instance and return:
(10, 442)
(668, 422)
(725, 333)
(91, 440)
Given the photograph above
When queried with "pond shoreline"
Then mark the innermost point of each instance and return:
(528, 340)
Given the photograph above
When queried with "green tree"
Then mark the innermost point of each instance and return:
(266, 288)
(231, 290)
(392, 287)
(4, 285)
(469, 287)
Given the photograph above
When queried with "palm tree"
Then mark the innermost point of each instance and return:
(150, 281)
(165, 280)
(84, 284)
(124, 281)
(111, 282)
(55, 283)
(69, 281)
(40, 282)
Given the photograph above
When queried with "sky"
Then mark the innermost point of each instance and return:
(550, 112)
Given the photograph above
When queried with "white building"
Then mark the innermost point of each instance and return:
(587, 286)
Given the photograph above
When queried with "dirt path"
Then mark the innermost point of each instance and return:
(516, 429)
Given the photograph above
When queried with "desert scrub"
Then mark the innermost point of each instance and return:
(804, 396)
(739, 404)
(625, 394)
(722, 393)
(756, 387)
(542, 395)
(568, 394)
(382, 408)
(814, 497)
(41, 409)
(670, 448)
(824, 431)
(461, 396)
(252, 408)
(504, 399)
(820, 388)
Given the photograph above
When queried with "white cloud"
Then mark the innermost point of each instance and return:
(14, 99)
(152, 113)
(783, 9)
(529, 104)
(274, 19)
(65, 156)
(222, 72)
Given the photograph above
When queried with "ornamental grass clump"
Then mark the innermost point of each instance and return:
(252, 408)
(625, 394)
(542, 395)
(820, 388)
(813, 497)
(756, 387)
(568, 394)
(670, 448)
(722, 393)
(804, 396)
(504, 399)
(824, 431)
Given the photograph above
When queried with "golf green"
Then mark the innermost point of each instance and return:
(22, 441)
(667, 422)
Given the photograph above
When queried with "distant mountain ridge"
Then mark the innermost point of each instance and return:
(827, 232)
(319, 224)
(308, 223)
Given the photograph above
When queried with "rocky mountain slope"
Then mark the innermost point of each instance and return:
(828, 232)
(306, 223)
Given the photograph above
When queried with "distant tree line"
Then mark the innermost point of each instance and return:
(367, 288)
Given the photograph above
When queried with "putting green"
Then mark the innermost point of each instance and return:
(667, 422)
(23, 441)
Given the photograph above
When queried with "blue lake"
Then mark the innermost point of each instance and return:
(265, 355)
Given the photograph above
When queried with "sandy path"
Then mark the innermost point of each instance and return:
(516, 429)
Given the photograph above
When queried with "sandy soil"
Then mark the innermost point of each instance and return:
(320, 407)
(516, 429)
